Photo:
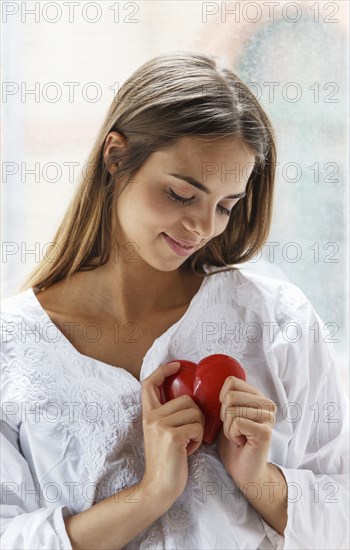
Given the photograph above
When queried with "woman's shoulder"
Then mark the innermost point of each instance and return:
(18, 313)
(17, 304)
(251, 287)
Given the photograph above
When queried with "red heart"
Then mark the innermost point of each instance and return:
(203, 382)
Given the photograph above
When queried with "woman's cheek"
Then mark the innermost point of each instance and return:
(165, 209)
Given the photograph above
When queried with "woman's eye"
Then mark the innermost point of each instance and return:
(173, 196)
(177, 198)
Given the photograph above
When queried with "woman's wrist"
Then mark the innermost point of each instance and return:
(155, 495)
(269, 496)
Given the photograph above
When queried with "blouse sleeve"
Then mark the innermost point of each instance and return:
(317, 467)
(25, 524)
(318, 490)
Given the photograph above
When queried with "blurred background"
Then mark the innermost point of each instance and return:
(63, 62)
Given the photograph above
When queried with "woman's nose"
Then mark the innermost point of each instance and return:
(203, 224)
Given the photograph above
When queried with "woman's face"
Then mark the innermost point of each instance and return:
(159, 203)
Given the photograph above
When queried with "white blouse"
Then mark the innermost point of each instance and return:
(71, 429)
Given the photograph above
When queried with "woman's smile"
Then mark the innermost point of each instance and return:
(178, 248)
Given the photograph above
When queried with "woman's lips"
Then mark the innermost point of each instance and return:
(178, 248)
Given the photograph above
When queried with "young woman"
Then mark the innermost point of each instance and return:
(142, 272)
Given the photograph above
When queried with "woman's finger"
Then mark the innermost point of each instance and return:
(255, 433)
(185, 416)
(257, 414)
(150, 386)
(233, 383)
(192, 434)
(233, 398)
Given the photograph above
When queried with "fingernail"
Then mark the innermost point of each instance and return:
(174, 363)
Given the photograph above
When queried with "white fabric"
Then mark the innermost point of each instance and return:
(72, 433)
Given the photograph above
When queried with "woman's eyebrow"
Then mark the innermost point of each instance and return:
(202, 187)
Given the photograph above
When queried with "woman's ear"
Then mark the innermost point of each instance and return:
(114, 140)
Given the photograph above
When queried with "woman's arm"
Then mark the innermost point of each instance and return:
(243, 446)
(269, 497)
(116, 520)
(309, 505)
(26, 523)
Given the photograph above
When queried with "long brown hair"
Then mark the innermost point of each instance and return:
(173, 95)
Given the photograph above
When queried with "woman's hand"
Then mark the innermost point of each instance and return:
(172, 432)
(243, 442)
